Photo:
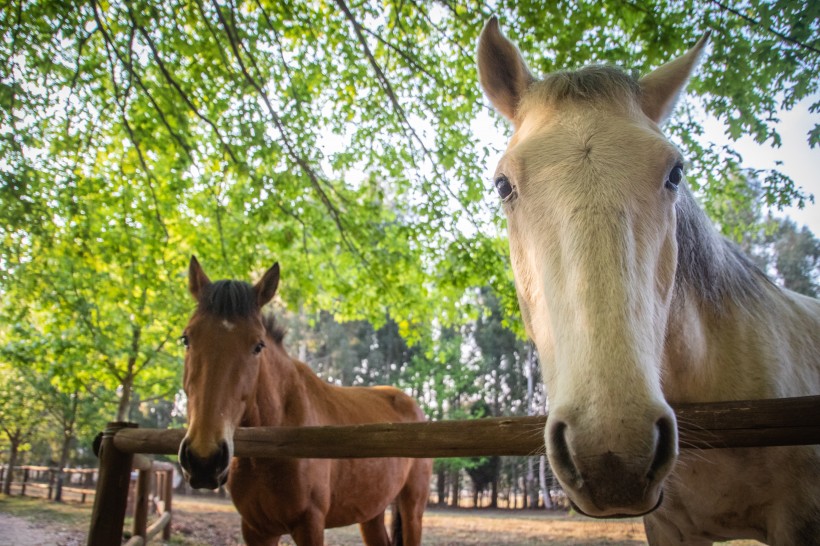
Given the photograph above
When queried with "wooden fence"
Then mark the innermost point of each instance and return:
(154, 485)
(758, 423)
(45, 478)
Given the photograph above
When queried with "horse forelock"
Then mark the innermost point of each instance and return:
(709, 265)
(602, 84)
(229, 299)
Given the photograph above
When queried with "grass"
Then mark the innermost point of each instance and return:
(67, 514)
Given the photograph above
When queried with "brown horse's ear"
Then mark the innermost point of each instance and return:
(197, 279)
(661, 88)
(266, 287)
(502, 71)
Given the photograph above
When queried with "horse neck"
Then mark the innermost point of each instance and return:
(279, 399)
(719, 300)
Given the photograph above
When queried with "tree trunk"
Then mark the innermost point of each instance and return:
(441, 485)
(68, 436)
(454, 488)
(14, 445)
(58, 490)
(542, 476)
(127, 384)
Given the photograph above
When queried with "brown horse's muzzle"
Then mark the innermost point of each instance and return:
(208, 472)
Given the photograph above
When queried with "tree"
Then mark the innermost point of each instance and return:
(791, 255)
(333, 137)
(796, 256)
(20, 415)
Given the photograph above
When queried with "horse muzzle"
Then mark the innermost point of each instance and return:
(205, 472)
(608, 482)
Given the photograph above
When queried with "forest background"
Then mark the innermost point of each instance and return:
(347, 141)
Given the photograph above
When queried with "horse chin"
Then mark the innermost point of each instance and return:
(615, 514)
(207, 482)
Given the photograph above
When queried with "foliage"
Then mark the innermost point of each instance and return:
(339, 139)
(789, 254)
(796, 256)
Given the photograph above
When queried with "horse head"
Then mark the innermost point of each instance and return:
(224, 346)
(589, 184)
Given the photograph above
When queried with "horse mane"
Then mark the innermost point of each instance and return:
(237, 299)
(709, 264)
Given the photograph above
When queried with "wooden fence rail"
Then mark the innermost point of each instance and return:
(46, 478)
(758, 423)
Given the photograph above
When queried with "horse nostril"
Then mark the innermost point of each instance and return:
(224, 454)
(666, 450)
(560, 455)
(184, 457)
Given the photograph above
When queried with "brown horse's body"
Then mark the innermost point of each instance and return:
(238, 374)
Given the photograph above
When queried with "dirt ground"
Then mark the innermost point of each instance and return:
(199, 521)
(442, 527)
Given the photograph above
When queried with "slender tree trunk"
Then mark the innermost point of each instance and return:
(441, 484)
(68, 436)
(127, 384)
(454, 485)
(542, 475)
(58, 489)
(14, 446)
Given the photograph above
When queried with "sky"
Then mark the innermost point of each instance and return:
(800, 162)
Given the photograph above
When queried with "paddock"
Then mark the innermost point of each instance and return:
(751, 423)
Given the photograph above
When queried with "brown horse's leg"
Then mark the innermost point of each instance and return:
(374, 532)
(253, 538)
(412, 501)
(310, 531)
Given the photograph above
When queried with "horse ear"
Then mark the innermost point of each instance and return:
(502, 71)
(197, 279)
(661, 88)
(266, 287)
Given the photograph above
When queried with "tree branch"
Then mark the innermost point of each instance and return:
(757, 23)
(313, 177)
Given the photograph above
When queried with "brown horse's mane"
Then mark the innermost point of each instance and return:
(230, 299)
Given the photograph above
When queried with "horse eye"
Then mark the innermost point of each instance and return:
(185, 341)
(259, 347)
(675, 177)
(503, 187)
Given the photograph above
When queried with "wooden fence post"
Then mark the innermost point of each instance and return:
(142, 493)
(108, 514)
(167, 494)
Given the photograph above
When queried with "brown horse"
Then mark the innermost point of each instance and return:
(237, 373)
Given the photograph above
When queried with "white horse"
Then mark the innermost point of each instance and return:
(634, 302)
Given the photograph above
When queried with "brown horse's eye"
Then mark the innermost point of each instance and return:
(185, 341)
(259, 347)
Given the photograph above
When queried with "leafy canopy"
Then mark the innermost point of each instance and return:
(334, 137)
